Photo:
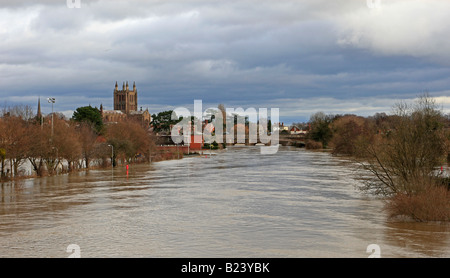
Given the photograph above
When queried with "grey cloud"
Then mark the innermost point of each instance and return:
(17, 4)
(57, 18)
(399, 27)
(249, 52)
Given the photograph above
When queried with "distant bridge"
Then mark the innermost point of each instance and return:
(297, 140)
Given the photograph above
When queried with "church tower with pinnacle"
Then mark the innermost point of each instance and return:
(126, 107)
(125, 100)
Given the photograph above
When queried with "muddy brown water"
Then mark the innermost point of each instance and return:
(237, 203)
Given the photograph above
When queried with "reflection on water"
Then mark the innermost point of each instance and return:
(237, 203)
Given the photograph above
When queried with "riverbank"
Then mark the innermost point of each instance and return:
(165, 153)
(26, 169)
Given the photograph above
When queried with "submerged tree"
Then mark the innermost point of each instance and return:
(14, 140)
(129, 140)
(87, 137)
(38, 147)
(404, 160)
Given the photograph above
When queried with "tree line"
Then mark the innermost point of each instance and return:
(403, 152)
(64, 145)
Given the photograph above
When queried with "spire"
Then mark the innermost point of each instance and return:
(134, 86)
(116, 86)
(127, 85)
(39, 114)
(123, 87)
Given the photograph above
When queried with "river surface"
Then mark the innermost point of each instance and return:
(237, 203)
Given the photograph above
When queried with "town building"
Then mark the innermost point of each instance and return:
(294, 129)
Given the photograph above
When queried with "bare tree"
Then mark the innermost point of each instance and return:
(129, 140)
(25, 112)
(88, 140)
(404, 159)
(13, 141)
(67, 144)
(38, 147)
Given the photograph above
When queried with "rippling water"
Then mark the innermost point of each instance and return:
(237, 203)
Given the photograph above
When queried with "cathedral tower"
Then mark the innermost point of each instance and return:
(125, 100)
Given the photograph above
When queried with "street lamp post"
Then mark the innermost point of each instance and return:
(112, 161)
(52, 101)
(112, 155)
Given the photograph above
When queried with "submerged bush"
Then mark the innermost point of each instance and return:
(313, 145)
(432, 204)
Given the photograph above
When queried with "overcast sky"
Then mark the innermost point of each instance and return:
(302, 56)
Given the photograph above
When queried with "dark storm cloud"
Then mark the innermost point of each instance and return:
(331, 55)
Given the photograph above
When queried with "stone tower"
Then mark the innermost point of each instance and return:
(125, 100)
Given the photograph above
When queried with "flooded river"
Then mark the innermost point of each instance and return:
(238, 203)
